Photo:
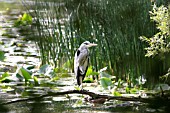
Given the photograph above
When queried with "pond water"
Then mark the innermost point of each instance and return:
(20, 51)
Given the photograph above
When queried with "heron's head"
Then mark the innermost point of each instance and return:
(88, 44)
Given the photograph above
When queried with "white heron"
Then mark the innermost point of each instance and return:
(81, 61)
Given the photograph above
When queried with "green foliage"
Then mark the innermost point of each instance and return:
(77, 88)
(91, 72)
(115, 93)
(45, 69)
(119, 83)
(25, 74)
(127, 90)
(159, 44)
(5, 77)
(105, 79)
(54, 73)
(133, 90)
(25, 19)
(2, 57)
(36, 82)
(60, 70)
(88, 80)
(106, 82)
(114, 25)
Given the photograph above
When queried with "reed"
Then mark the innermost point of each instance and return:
(115, 25)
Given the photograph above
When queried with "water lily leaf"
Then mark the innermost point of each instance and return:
(5, 77)
(6, 74)
(2, 57)
(45, 68)
(27, 18)
(20, 77)
(36, 81)
(105, 82)
(25, 74)
(104, 74)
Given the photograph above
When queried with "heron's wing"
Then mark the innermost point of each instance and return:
(82, 57)
(81, 60)
(81, 75)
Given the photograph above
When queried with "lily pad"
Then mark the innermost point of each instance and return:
(105, 82)
(25, 74)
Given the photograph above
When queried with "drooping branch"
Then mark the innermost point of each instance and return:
(95, 98)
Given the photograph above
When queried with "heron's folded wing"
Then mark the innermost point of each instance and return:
(83, 57)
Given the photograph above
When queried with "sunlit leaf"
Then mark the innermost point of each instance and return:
(88, 80)
(115, 93)
(133, 90)
(77, 88)
(25, 74)
(27, 18)
(91, 72)
(36, 81)
(5, 77)
(119, 83)
(6, 74)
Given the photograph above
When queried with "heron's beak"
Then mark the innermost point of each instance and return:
(91, 45)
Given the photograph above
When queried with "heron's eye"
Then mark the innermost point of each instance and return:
(86, 43)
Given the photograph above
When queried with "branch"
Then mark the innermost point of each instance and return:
(95, 98)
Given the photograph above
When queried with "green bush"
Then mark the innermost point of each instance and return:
(159, 44)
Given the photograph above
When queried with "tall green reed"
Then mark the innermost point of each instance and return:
(114, 25)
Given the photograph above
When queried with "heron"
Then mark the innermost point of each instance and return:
(81, 61)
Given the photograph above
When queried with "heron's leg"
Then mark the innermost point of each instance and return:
(81, 82)
(81, 86)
